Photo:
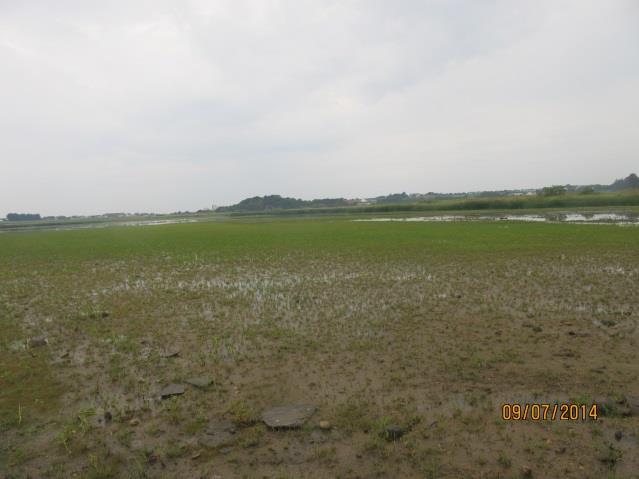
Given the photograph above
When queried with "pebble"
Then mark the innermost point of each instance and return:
(325, 425)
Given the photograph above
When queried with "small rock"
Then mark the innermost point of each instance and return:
(618, 435)
(325, 425)
(172, 390)
(526, 471)
(37, 342)
(64, 354)
(171, 353)
(200, 381)
(288, 417)
(134, 422)
(393, 432)
(154, 459)
(560, 450)
(196, 456)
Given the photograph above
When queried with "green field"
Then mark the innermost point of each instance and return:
(430, 326)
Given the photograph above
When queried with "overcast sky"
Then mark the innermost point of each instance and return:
(159, 105)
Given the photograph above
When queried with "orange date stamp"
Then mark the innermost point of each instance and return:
(549, 412)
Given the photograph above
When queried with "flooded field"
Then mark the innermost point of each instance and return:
(592, 218)
(88, 224)
(318, 349)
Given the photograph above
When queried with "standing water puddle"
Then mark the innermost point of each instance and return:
(595, 218)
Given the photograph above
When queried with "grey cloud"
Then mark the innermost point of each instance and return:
(165, 105)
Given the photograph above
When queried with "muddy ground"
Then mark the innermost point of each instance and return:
(431, 344)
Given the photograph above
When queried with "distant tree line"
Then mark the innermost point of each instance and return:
(556, 190)
(631, 182)
(277, 202)
(23, 217)
(497, 203)
(512, 199)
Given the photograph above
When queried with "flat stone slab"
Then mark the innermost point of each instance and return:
(200, 381)
(172, 390)
(288, 417)
(219, 434)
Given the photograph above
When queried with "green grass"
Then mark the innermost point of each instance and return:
(234, 240)
(376, 323)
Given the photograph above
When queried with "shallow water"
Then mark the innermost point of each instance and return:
(594, 218)
(98, 224)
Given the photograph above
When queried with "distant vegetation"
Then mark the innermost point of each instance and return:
(481, 204)
(556, 190)
(272, 202)
(23, 217)
(630, 182)
(621, 192)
